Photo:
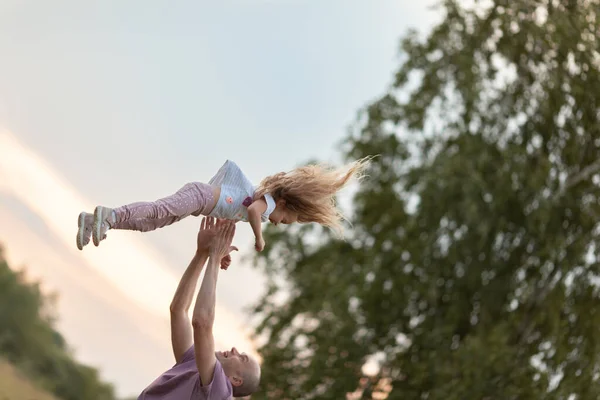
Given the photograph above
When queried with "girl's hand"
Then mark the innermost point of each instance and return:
(259, 244)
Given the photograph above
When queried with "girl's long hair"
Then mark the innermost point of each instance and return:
(310, 191)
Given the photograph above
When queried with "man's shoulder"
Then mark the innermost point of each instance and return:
(180, 381)
(219, 388)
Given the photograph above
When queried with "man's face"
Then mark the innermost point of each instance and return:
(235, 364)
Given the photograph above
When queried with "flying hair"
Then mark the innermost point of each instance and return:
(310, 191)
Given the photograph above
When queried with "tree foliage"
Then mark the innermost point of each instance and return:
(28, 340)
(469, 270)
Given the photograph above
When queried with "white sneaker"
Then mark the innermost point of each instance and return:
(84, 222)
(103, 220)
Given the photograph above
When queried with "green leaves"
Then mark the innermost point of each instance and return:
(28, 340)
(470, 264)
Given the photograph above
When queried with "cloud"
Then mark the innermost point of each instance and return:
(133, 267)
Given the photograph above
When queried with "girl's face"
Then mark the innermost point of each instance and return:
(283, 215)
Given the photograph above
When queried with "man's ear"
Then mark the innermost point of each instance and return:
(235, 380)
(281, 202)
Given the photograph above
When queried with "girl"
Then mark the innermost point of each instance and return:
(305, 194)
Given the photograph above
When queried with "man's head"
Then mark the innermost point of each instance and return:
(242, 371)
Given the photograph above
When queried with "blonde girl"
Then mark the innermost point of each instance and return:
(305, 194)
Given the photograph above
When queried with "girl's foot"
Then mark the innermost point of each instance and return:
(84, 222)
(103, 219)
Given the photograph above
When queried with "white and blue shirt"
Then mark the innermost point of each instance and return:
(237, 193)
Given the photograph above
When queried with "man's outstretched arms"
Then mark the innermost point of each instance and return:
(181, 327)
(203, 316)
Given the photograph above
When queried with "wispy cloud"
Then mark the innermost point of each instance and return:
(132, 266)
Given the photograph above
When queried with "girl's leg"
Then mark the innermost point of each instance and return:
(144, 225)
(192, 199)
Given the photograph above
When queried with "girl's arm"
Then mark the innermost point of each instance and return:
(255, 210)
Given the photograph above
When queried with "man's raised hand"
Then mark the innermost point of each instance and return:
(221, 244)
(206, 236)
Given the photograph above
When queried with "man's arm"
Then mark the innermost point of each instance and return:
(202, 321)
(204, 310)
(181, 328)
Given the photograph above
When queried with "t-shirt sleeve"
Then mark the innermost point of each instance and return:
(219, 389)
(187, 356)
(270, 206)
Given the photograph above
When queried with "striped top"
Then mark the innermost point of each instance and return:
(237, 193)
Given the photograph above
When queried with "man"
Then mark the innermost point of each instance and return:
(200, 373)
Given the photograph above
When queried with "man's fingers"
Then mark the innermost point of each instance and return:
(227, 235)
(207, 223)
(230, 232)
(224, 236)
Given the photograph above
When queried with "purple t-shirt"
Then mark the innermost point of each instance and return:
(182, 382)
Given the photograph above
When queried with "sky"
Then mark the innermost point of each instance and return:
(107, 103)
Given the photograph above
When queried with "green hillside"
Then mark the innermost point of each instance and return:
(33, 347)
(15, 386)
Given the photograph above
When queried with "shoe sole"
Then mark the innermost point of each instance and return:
(81, 230)
(97, 227)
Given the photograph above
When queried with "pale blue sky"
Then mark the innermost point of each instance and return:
(129, 100)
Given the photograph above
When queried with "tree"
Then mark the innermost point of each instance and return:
(28, 340)
(469, 269)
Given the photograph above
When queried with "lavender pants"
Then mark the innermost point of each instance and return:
(194, 198)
